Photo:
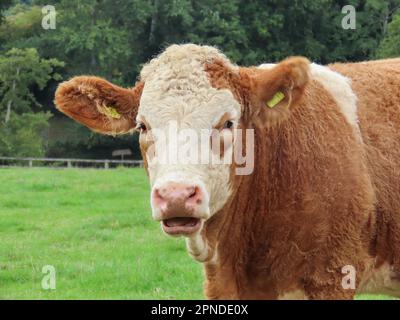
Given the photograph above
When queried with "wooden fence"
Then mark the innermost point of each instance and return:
(67, 163)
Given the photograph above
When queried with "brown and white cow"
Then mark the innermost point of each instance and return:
(323, 200)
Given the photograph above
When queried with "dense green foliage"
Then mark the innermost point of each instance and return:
(20, 128)
(95, 228)
(113, 38)
(390, 46)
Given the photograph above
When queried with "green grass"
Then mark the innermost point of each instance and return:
(95, 228)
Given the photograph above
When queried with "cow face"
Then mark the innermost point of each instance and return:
(187, 107)
(179, 107)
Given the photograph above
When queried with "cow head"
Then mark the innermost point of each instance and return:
(188, 97)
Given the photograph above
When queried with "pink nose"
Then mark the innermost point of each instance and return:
(177, 199)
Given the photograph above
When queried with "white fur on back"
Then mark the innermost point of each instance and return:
(340, 89)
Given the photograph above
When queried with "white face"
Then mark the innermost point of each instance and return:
(178, 99)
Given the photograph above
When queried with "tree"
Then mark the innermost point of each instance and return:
(20, 71)
(98, 37)
(21, 26)
(22, 136)
(390, 46)
(4, 4)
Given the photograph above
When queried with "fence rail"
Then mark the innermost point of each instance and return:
(67, 162)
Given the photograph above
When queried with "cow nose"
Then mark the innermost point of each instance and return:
(177, 199)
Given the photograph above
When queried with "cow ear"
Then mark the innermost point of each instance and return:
(99, 104)
(274, 91)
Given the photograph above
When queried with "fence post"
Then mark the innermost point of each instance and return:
(30, 163)
(106, 166)
(69, 164)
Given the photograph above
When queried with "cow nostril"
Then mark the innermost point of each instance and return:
(157, 195)
(192, 192)
(195, 197)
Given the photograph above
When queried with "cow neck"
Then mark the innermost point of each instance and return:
(245, 227)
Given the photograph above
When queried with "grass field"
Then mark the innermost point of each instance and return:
(95, 228)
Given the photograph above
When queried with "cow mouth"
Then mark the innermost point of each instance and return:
(181, 225)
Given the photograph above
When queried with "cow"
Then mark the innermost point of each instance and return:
(318, 217)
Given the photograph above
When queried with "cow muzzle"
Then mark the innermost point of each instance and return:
(181, 208)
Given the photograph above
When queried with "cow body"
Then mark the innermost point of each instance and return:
(323, 200)
(326, 195)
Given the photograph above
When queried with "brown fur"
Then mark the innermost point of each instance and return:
(314, 210)
(377, 85)
(85, 98)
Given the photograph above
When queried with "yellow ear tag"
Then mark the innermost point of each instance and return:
(112, 112)
(278, 97)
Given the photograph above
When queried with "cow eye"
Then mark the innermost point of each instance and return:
(141, 127)
(228, 124)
